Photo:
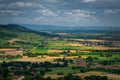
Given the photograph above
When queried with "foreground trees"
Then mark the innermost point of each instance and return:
(36, 71)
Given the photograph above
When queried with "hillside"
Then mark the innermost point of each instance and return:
(24, 51)
(16, 31)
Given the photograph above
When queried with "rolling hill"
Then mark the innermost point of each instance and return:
(16, 31)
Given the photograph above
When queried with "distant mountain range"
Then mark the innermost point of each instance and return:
(68, 28)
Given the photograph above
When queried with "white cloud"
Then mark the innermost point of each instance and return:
(51, 1)
(80, 16)
(67, 16)
(87, 1)
(25, 4)
(78, 13)
(47, 13)
(111, 11)
(40, 18)
(11, 12)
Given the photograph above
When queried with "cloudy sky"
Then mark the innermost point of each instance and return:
(61, 12)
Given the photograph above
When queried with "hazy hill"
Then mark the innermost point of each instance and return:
(53, 28)
(17, 31)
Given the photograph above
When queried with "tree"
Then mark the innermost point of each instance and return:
(48, 78)
(39, 77)
(89, 59)
(94, 77)
(71, 77)
(65, 64)
(42, 72)
(5, 72)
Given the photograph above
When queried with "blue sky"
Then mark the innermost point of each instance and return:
(61, 12)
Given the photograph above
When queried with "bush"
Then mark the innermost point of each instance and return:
(60, 73)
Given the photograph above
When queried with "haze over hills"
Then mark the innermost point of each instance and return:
(34, 31)
(69, 28)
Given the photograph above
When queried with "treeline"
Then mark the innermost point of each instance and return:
(6, 35)
(87, 69)
(36, 71)
(9, 57)
(70, 77)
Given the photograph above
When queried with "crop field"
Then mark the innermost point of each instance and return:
(111, 76)
(77, 54)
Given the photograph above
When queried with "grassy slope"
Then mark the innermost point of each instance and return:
(18, 31)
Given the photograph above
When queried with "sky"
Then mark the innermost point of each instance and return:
(61, 12)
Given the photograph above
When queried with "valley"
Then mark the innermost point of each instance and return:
(59, 54)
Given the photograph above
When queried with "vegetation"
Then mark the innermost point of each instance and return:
(52, 56)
